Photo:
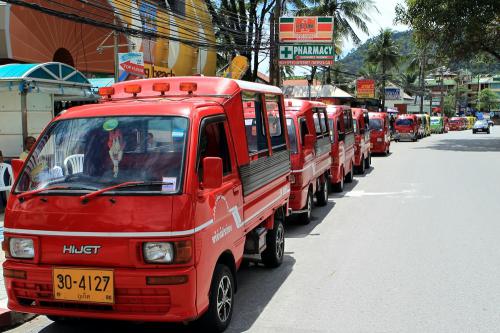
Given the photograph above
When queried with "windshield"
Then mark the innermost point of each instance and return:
(404, 122)
(292, 135)
(376, 124)
(94, 153)
(435, 121)
(481, 123)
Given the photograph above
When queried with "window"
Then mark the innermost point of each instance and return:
(274, 119)
(213, 143)
(255, 128)
(348, 120)
(292, 135)
(355, 126)
(319, 116)
(317, 125)
(330, 123)
(177, 6)
(303, 130)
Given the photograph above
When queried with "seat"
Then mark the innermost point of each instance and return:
(75, 162)
(5, 187)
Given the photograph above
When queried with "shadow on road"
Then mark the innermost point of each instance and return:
(466, 145)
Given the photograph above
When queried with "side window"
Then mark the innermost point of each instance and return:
(274, 110)
(317, 124)
(255, 128)
(213, 143)
(303, 130)
(348, 120)
(323, 118)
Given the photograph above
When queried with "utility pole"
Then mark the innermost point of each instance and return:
(422, 82)
(441, 102)
(274, 70)
(115, 50)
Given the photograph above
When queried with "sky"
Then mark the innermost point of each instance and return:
(381, 20)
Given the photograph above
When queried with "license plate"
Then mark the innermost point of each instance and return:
(83, 285)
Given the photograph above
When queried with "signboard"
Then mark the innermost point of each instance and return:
(365, 88)
(306, 29)
(152, 71)
(392, 93)
(131, 66)
(237, 68)
(306, 54)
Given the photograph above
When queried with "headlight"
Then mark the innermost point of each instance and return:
(21, 248)
(158, 252)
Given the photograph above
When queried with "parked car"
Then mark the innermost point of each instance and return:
(406, 127)
(341, 123)
(362, 152)
(380, 136)
(437, 125)
(310, 145)
(178, 191)
(481, 126)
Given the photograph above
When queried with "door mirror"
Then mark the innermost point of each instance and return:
(212, 172)
(16, 167)
(309, 141)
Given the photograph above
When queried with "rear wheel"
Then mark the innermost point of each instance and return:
(349, 176)
(322, 194)
(339, 187)
(305, 217)
(488, 131)
(275, 246)
(361, 168)
(368, 161)
(221, 298)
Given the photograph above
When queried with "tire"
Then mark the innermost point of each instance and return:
(322, 193)
(488, 131)
(473, 132)
(305, 218)
(339, 187)
(215, 320)
(361, 168)
(272, 256)
(388, 150)
(368, 161)
(349, 176)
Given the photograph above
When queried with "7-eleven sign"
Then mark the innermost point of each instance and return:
(303, 29)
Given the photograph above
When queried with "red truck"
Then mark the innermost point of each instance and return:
(142, 207)
(406, 126)
(310, 146)
(341, 122)
(362, 152)
(380, 133)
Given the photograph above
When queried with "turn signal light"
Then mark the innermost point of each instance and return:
(183, 252)
(188, 86)
(161, 87)
(106, 91)
(132, 89)
(166, 280)
(14, 274)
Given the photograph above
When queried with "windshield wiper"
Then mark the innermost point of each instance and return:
(85, 198)
(28, 195)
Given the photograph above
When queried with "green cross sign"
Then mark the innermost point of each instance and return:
(286, 52)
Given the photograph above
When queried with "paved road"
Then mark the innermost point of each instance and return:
(413, 246)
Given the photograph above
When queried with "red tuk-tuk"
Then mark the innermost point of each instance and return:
(341, 122)
(406, 126)
(456, 124)
(362, 153)
(142, 207)
(380, 135)
(310, 146)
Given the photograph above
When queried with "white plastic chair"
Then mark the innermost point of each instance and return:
(76, 163)
(4, 167)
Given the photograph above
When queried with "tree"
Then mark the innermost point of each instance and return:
(459, 28)
(449, 106)
(385, 54)
(488, 100)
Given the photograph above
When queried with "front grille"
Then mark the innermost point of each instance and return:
(127, 300)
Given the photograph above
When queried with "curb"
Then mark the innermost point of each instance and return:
(9, 318)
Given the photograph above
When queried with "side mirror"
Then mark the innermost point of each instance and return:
(212, 172)
(16, 167)
(309, 141)
(341, 136)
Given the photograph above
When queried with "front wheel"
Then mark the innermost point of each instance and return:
(221, 298)
(275, 246)
(305, 217)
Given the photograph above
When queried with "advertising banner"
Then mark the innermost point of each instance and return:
(306, 29)
(131, 66)
(152, 71)
(365, 88)
(392, 93)
(306, 54)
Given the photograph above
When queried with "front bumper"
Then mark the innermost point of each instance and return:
(405, 136)
(134, 299)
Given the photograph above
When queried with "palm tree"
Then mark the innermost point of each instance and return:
(408, 79)
(385, 54)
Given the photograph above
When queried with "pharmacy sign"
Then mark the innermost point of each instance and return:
(306, 55)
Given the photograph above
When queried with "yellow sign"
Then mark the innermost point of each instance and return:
(237, 68)
(152, 71)
(83, 285)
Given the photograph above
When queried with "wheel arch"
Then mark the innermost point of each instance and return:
(227, 259)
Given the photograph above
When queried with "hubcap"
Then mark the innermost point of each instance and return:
(309, 205)
(224, 298)
(280, 242)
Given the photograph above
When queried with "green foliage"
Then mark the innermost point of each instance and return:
(449, 106)
(458, 28)
(488, 100)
